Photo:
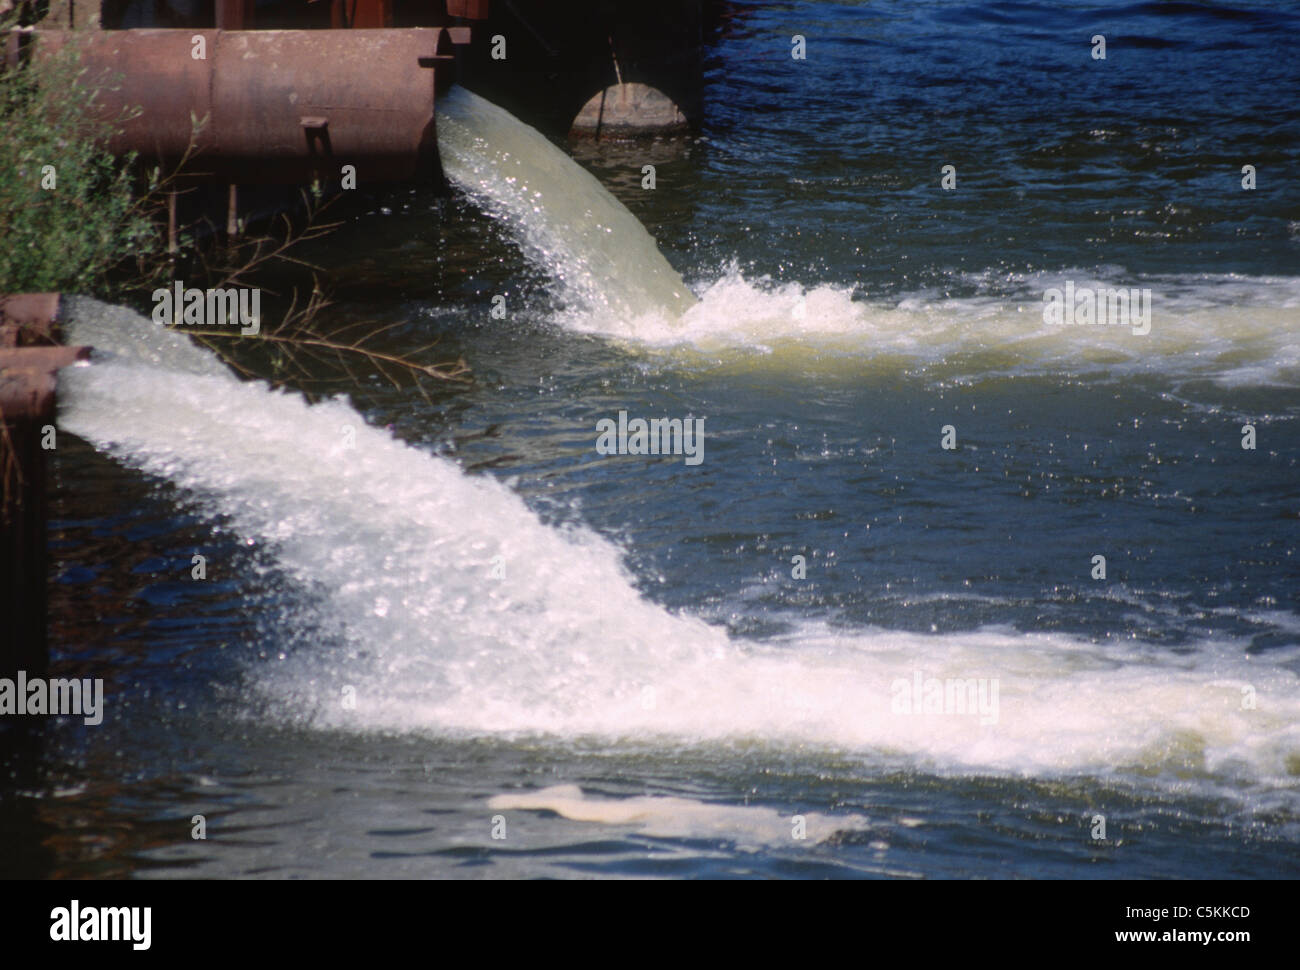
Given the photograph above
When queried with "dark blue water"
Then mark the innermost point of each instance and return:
(1061, 160)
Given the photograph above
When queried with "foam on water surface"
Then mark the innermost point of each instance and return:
(394, 551)
(613, 281)
(674, 817)
(393, 548)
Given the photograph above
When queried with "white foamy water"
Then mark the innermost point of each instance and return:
(395, 549)
(613, 281)
(1233, 330)
(599, 255)
(673, 817)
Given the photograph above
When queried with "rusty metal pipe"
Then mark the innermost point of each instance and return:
(29, 360)
(281, 106)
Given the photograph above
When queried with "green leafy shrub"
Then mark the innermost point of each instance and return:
(72, 216)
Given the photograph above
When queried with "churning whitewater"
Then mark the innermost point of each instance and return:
(449, 607)
(394, 548)
(610, 279)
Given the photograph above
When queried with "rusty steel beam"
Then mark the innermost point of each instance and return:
(280, 106)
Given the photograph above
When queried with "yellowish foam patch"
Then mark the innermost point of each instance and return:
(673, 817)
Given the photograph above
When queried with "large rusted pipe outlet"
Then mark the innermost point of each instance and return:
(275, 106)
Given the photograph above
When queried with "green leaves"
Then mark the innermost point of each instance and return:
(69, 211)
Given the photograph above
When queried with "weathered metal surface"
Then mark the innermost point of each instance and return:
(233, 14)
(26, 403)
(28, 319)
(469, 9)
(281, 106)
(30, 354)
(79, 14)
(20, 366)
(368, 14)
(27, 397)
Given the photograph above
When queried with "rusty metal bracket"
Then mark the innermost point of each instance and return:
(318, 137)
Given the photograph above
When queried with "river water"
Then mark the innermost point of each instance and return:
(450, 638)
